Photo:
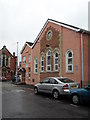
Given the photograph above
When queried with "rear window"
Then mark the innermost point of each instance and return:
(66, 80)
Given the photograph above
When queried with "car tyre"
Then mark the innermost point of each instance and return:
(56, 94)
(36, 90)
(75, 99)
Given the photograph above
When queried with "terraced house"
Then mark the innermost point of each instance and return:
(60, 50)
(26, 63)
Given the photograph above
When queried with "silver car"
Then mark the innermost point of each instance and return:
(56, 86)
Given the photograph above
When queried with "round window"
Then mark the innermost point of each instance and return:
(49, 35)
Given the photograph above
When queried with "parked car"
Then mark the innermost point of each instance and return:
(3, 78)
(80, 95)
(56, 86)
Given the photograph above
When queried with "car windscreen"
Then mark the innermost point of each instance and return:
(65, 80)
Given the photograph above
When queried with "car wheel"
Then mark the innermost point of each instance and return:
(75, 99)
(55, 94)
(36, 90)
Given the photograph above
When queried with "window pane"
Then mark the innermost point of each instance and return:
(35, 63)
(42, 68)
(56, 61)
(56, 55)
(56, 67)
(69, 54)
(48, 67)
(70, 68)
(48, 60)
(0, 61)
(42, 63)
(49, 53)
(6, 61)
(42, 57)
(70, 61)
(29, 58)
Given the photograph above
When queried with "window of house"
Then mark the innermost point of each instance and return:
(42, 63)
(35, 66)
(69, 61)
(49, 35)
(48, 60)
(3, 59)
(24, 59)
(29, 73)
(56, 61)
(0, 60)
(29, 58)
(6, 61)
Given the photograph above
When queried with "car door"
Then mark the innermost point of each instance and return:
(86, 94)
(43, 85)
(50, 86)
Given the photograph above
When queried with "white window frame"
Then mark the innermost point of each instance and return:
(47, 61)
(6, 61)
(24, 59)
(67, 58)
(29, 58)
(54, 61)
(42, 61)
(0, 61)
(35, 64)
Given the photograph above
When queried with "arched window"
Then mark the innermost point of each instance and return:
(56, 61)
(0, 60)
(6, 61)
(3, 60)
(48, 60)
(35, 65)
(42, 63)
(69, 61)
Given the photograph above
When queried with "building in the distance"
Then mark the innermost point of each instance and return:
(60, 50)
(7, 64)
(26, 63)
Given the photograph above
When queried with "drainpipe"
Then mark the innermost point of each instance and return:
(31, 65)
(82, 58)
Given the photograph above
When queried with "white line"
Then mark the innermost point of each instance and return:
(74, 105)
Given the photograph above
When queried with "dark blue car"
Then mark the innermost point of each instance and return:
(80, 95)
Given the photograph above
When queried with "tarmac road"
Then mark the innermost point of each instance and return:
(20, 102)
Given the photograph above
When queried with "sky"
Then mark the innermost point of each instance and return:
(22, 20)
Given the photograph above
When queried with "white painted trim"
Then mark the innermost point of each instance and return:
(46, 62)
(41, 63)
(54, 61)
(35, 65)
(69, 71)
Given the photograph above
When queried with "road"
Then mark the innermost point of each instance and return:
(20, 102)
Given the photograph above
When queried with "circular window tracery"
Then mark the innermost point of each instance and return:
(49, 35)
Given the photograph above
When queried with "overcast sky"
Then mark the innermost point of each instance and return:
(22, 20)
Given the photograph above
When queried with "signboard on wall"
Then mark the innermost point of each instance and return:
(26, 65)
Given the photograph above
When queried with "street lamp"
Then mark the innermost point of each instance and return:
(17, 65)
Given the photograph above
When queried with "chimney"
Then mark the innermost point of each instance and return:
(4, 46)
(13, 54)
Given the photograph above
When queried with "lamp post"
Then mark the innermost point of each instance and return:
(17, 65)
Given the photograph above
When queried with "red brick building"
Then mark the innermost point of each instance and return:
(7, 64)
(26, 63)
(60, 50)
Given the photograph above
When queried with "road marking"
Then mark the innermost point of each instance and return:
(17, 91)
(74, 105)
